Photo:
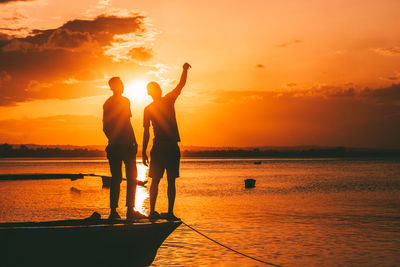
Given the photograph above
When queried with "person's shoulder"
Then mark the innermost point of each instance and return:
(107, 102)
(120, 100)
(125, 99)
(149, 106)
(169, 98)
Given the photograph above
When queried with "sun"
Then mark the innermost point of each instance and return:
(136, 91)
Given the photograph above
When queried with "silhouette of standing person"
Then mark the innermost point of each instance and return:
(122, 147)
(165, 153)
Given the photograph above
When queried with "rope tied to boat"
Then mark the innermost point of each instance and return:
(225, 246)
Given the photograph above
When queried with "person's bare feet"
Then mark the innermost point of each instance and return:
(171, 217)
(114, 215)
(153, 216)
(132, 214)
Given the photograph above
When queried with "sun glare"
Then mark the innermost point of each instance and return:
(142, 195)
(136, 91)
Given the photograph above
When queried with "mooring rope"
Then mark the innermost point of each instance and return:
(231, 249)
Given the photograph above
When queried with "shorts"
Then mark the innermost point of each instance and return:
(121, 151)
(118, 153)
(164, 156)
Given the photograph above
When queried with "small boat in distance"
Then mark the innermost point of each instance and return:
(85, 242)
(257, 162)
(249, 183)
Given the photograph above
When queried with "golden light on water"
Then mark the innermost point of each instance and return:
(142, 170)
(142, 194)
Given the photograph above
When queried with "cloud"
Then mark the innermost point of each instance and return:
(14, 30)
(102, 29)
(13, 21)
(333, 116)
(388, 51)
(289, 43)
(260, 66)
(41, 62)
(104, 3)
(10, 1)
(384, 95)
(66, 39)
(4, 77)
(16, 16)
(141, 53)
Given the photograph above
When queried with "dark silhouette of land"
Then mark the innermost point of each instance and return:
(330, 152)
(12, 151)
(18, 151)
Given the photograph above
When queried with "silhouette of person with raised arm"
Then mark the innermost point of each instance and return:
(122, 147)
(165, 153)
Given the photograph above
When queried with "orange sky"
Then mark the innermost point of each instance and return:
(265, 73)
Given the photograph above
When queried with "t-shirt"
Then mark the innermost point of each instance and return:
(116, 120)
(161, 113)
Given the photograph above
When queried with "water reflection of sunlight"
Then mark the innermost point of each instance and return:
(141, 169)
(142, 194)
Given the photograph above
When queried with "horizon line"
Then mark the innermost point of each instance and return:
(217, 147)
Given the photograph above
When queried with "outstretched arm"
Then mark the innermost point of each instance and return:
(178, 89)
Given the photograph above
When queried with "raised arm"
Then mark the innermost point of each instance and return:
(178, 89)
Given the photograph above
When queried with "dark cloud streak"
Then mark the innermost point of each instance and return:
(11, 1)
(334, 117)
(388, 51)
(289, 43)
(102, 29)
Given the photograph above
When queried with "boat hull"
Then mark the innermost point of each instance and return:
(77, 243)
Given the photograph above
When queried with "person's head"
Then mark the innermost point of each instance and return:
(154, 90)
(116, 85)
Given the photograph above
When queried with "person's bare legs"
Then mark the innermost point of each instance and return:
(131, 183)
(153, 194)
(171, 194)
(116, 173)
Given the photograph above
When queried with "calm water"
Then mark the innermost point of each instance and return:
(301, 212)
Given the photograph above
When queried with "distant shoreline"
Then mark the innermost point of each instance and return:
(23, 151)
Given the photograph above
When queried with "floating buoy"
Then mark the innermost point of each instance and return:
(249, 183)
(75, 190)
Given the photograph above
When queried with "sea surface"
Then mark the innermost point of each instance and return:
(302, 212)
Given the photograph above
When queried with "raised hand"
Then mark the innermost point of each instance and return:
(186, 66)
